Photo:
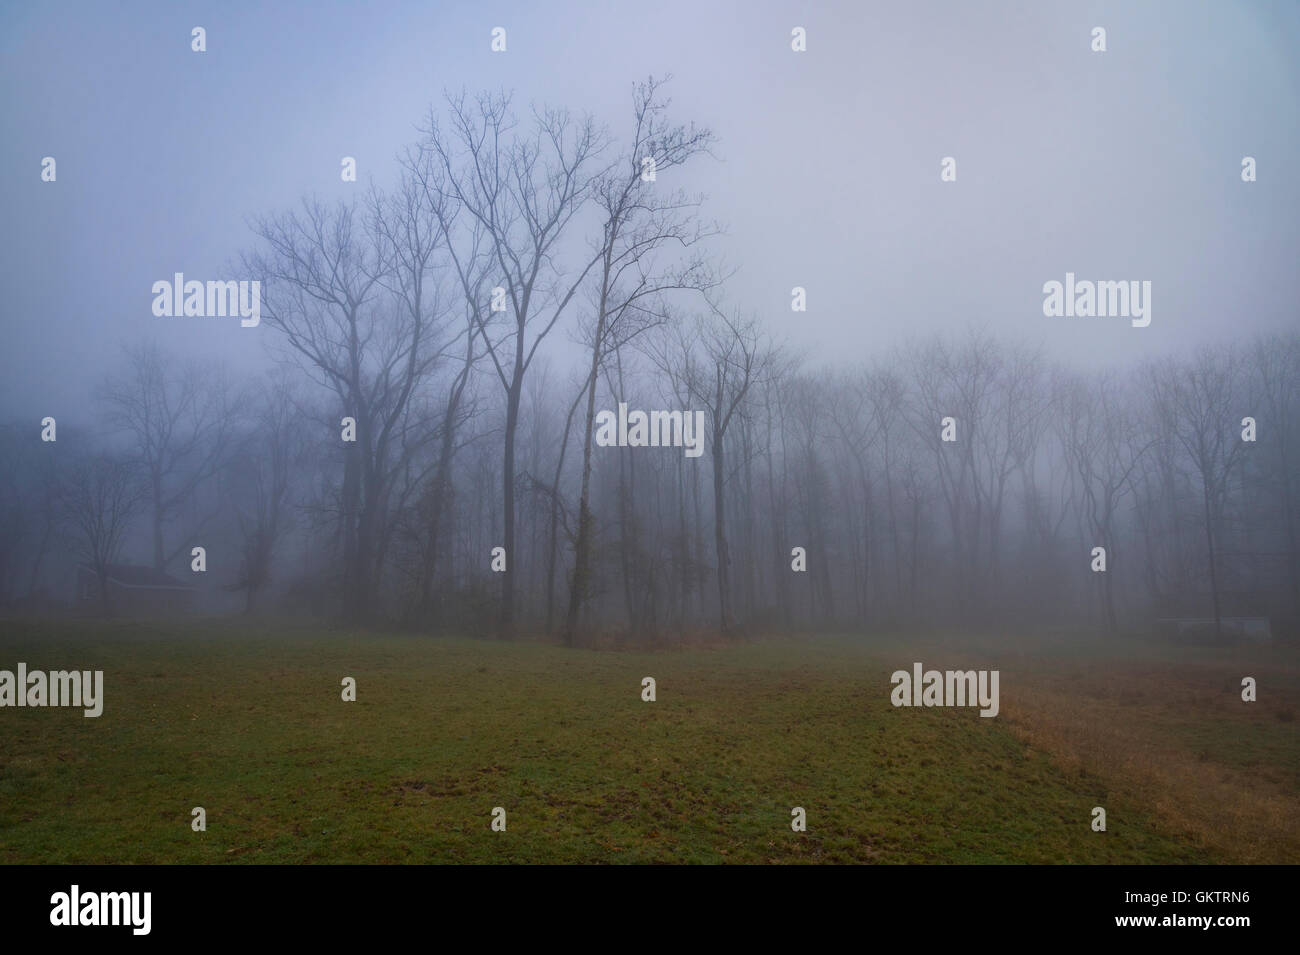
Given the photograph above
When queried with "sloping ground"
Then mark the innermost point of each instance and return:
(251, 727)
(1166, 727)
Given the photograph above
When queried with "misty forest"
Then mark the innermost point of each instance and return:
(425, 447)
(717, 433)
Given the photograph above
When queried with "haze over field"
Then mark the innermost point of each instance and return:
(1119, 165)
(963, 302)
(704, 432)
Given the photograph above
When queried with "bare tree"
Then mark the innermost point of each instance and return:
(16, 513)
(100, 496)
(732, 355)
(179, 418)
(1197, 402)
(470, 262)
(1103, 444)
(260, 481)
(523, 189)
(958, 384)
(640, 219)
(1276, 361)
(350, 290)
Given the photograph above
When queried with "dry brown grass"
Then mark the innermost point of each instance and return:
(1166, 727)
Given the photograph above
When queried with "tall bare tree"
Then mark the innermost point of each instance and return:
(261, 472)
(720, 357)
(180, 417)
(1197, 402)
(641, 218)
(100, 496)
(524, 188)
(349, 288)
(1103, 443)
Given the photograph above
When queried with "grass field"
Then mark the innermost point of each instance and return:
(249, 724)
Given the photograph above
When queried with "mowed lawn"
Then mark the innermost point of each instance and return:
(247, 722)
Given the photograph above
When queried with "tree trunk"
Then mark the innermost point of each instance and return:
(720, 533)
(506, 629)
(582, 542)
(1214, 572)
(159, 560)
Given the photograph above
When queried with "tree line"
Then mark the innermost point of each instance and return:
(530, 269)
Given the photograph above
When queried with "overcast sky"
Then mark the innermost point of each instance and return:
(1117, 165)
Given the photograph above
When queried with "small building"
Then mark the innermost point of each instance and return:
(134, 590)
(1201, 629)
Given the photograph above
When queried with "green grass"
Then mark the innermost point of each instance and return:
(250, 725)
